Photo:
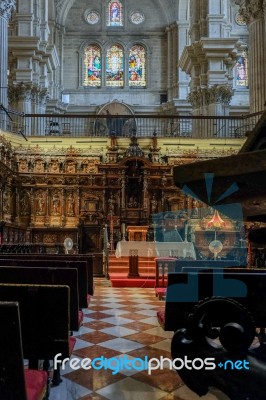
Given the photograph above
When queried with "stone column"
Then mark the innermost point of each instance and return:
(254, 13)
(182, 77)
(174, 61)
(169, 59)
(6, 8)
(211, 101)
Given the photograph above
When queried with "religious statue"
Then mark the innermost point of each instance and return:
(55, 203)
(39, 166)
(6, 202)
(111, 204)
(132, 202)
(24, 204)
(195, 210)
(70, 167)
(40, 203)
(70, 204)
(23, 166)
(54, 166)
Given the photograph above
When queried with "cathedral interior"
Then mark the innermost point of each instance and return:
(111, 113)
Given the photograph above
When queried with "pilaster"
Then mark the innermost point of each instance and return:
(254, 13)
(32, 50)
(206, 61)
(6, 8)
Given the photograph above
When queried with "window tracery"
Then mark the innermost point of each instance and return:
(115, 66)
(115, 14)
(241, 70)
(137, 66)
(93, 66)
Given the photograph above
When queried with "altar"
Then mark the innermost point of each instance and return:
(137, 233)
(155, 249)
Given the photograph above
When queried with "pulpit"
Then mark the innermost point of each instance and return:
(137, 233)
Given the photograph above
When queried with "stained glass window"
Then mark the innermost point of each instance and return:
(115, 66)
(241, 69)
(137, 66)
(115, 14)
(93, 66)
(137, 17)
(93, 17)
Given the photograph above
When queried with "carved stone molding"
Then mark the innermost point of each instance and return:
(251, 10)
(216, 94)
(195, 98)
(27, 91)
(219, 94)
(177, 155)
(6, 8)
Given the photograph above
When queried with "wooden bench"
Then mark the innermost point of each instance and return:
(213, 266)
(47, 276)
(68, 258)
(164, 265)
(81, 267)
(216, 316)
(17, 382)
(185, 290)
(44, 314)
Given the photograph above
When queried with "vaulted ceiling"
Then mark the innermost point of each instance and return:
(170, 10)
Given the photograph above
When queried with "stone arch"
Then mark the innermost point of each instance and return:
(117, 127)
(170, 13)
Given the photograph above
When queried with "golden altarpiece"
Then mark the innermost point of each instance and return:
(50, 194)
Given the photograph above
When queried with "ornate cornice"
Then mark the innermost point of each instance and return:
(215, 94)
(178, 156)
(27, 91)
(252, 10)
(6, 8)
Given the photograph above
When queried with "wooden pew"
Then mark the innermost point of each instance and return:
(224, 329)
(69, 258)
(164, 265)
(15, 382)
(44, 316)
(47, 276)
(185, 290)
(81, 267)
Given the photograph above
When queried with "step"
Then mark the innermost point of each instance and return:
(142, 270)
(146, 265)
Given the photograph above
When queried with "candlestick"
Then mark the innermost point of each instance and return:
(123, 231)
(186, 229)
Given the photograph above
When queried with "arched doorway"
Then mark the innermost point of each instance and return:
(119, 120)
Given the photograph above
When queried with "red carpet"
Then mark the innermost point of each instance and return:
(121, 280)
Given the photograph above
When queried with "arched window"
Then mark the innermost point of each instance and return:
(115, 14)
(137, 66)
(93, 66)
(115, 66)
(241, 70)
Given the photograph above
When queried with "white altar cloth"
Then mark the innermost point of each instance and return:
(156, 249)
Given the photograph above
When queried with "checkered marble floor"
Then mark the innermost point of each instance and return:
(123, 321)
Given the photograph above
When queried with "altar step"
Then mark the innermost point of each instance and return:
(147, 266)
